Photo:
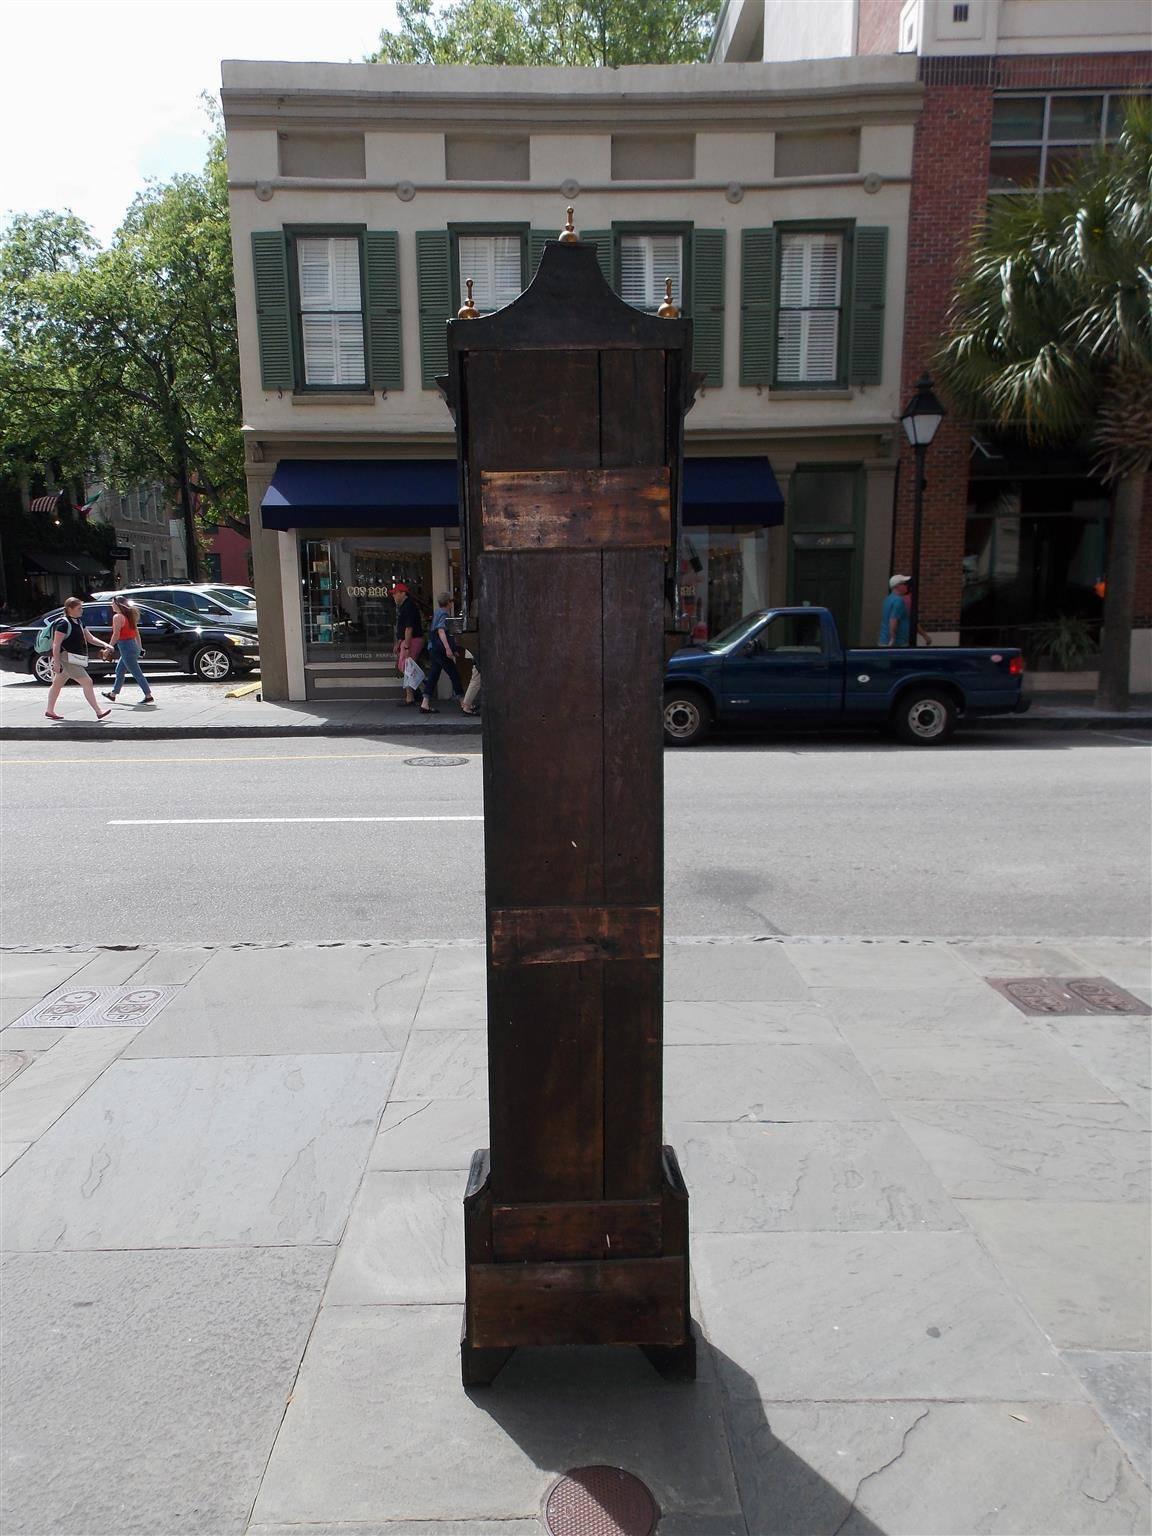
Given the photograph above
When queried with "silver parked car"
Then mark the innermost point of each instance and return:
(204, 603)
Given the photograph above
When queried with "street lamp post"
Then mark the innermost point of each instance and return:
(920, 419)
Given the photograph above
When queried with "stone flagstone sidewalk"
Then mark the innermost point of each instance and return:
(232, 1273)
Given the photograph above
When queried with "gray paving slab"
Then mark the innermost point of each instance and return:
(430, 1133)
(293, 1001)
(459, 968)
(1082, 1267)
(173, 967)
(12, 1063)
(933, 1469)
(379, 1428)
(737, 973)
(11, 1007)
(56, 1079)
(444, 1064)
(111, 968)
(1128, 965)
(879, 965)
(226, 1150)
(1117, 1051)
(847, 1176)
(10, 1151)
(1120, 1384)
(767, 1082)
(142, 1391)
(406, 1528)
(36, 1040)
(1027, 1069)
(989, 958)
(404, 1242)
(753, 1023)
(452, 1010)
(1003, 1151)
(34, 975)
(888, 1017)
(847, 1315)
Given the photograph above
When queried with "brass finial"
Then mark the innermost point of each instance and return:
(568, 235)
(468, 310)
(668, 310)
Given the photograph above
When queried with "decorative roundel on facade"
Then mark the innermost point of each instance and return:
(734, 192)
(873, 181)
(264, 191)
(405, 191)
(570, 187)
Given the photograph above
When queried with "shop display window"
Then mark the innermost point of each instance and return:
(723, 576)
(346, 589)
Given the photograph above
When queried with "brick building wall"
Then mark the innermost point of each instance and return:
(878, 26)
(949, 193)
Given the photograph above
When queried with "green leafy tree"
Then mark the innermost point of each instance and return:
(128, 356)
(596, 32)
(1051, 336)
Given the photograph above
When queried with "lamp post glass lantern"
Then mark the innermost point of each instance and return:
(920, 419)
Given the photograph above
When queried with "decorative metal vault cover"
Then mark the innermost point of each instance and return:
(435, 762)
(1068, 995)
(600, 1501)
(96, 1007)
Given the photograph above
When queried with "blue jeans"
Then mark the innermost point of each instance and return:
(441, 663)
(128, 660)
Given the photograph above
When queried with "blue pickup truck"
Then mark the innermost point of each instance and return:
(786, 665)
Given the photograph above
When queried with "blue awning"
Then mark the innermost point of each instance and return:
(731, 490)
(361, 493)
(421, 493)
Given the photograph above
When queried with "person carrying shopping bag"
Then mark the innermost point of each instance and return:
(409, 637)
(443, 654)
(126, 644)
(70, 641)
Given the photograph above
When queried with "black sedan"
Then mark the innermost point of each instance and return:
(172, 643)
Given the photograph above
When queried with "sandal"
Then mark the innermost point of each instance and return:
(48, 715)
(103, 716)
(429, 709)
(112, 696)
(148, 700)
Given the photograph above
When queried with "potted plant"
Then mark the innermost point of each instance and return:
(1066, 642)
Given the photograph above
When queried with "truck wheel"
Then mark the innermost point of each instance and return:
(924, 718)
(687, 718)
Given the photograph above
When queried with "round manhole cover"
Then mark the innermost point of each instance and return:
(435, 762)
(600, 1501)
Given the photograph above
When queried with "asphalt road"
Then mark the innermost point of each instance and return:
(998, 834)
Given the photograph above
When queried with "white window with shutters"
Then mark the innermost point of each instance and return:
(811, 283)
(331, 310)
(646, 263)
(494, 264)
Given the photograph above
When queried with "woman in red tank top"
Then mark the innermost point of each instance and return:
(126, 644)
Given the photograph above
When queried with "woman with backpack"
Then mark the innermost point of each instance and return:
(126, 643)
(70, 642)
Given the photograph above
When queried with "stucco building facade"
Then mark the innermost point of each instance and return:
(776, 198)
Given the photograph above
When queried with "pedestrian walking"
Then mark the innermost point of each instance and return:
(409, 636)
(70, 642)
(894, 623)
(443, 653)
(472, 692)
(126, 644)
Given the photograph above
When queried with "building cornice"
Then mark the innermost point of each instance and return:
(347, 184)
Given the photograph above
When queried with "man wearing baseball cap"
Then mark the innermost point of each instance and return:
(894, 615)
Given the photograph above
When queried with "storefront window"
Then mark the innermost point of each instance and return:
(1033, 551)
(723, 576)
(346, 586)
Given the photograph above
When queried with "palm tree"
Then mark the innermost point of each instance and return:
(1050, 334)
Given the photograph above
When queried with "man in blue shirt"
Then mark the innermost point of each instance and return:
(894, 616)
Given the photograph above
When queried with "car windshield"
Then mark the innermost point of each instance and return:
(737, 632)
(232, 596)
(167, 611)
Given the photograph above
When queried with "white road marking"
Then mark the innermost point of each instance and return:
(243, 821)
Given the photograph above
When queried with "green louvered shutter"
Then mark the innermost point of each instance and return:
(866, 323)
(708, 305)
(758, 295)
(602, 238)
(273, 308)
(537, 239)
(434, 292)
(382, 309)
